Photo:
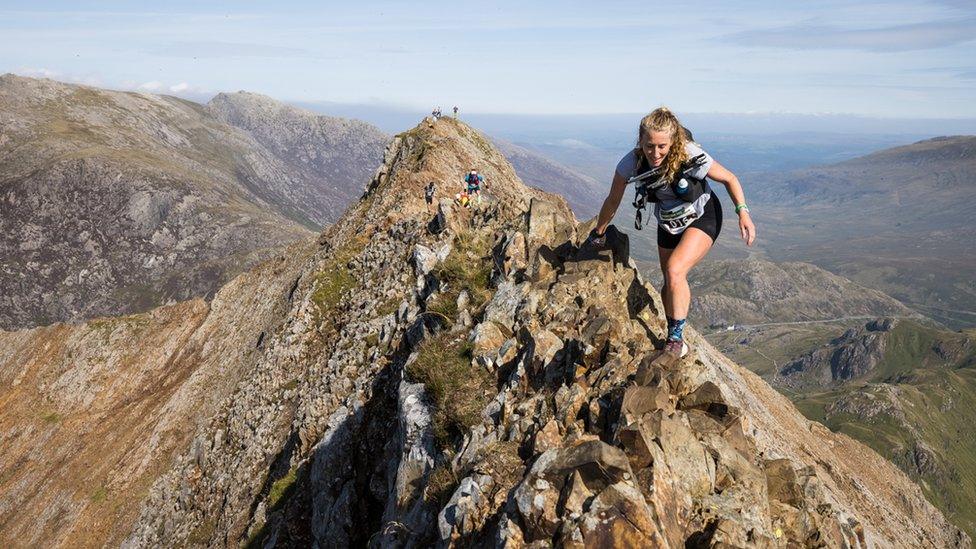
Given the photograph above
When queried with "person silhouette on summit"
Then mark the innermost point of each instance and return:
(669, 170)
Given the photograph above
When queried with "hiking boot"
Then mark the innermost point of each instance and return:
(676, 347)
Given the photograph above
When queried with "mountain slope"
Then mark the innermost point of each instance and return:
(756, 291)
(329, 159)
(905, 389)
(897, 220)
(476, 376)
(896, 382)
(115, 202)
(584, 194)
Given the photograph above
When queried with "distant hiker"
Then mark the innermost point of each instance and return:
(669, 169)
(429, 194)
(474, 181)
(455, 112)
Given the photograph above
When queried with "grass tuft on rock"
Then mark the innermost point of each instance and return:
(466, 268)
(441, 483)
(333, 280)
(456, 389)
(282, 489)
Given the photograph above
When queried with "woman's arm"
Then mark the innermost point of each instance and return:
(611, 203)
(719, 173)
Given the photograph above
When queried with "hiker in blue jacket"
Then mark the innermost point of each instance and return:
(474, 180)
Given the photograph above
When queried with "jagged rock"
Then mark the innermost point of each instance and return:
(619, 517)
(424, 260)
(459, 517)
(487, 338)
(505, 303)
(445, 216)
(782, 483)
(708, 397)
(415, 445)
(546, 438)
(514, 256)
(692, 466)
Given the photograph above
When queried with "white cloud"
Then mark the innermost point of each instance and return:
(897, 38)
(151, 86)
(37, 72)
(178, 88)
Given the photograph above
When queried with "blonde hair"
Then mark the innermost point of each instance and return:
(662, 119)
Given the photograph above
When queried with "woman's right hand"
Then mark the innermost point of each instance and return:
(596, 237)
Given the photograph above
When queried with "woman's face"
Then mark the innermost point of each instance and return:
(655, 146)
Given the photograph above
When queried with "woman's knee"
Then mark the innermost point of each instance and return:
(675, 273)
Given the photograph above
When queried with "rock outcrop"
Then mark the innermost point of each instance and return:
(477, 377)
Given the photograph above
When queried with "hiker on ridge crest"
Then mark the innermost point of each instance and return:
(669, 170)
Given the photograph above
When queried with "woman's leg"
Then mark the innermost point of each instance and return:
(664, 254)
(694, 244)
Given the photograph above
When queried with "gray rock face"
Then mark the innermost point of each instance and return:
(112, 203)
(329, 159)
(848, 357)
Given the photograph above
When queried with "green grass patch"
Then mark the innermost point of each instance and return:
(51, 417)
(467, 268)
(388, 307)
(334, 280)
(98, 495)
(202, 534)
(282, 489)
(456, 389)
(291, 384)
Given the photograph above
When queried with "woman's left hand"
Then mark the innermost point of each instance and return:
(747, 228)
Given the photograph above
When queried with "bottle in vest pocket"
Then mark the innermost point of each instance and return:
(681, 189)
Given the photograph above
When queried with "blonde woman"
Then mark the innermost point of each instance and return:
(672, 170)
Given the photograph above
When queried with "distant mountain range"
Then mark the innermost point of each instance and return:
(114, 202)
(899, 220)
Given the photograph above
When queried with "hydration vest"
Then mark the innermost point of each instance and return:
(648, 180)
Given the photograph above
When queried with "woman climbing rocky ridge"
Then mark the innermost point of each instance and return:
(483, 378)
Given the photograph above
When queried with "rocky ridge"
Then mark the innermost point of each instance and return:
(449, 378)
(559, 425)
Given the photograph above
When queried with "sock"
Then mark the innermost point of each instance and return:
(675, 331)
(670, 322)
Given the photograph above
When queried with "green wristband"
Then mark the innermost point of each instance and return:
(741, 207)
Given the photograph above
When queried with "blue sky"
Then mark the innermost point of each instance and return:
(890, 58)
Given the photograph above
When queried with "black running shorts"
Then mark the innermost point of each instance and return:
(710, 222)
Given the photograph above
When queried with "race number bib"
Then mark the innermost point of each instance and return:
(676, 220)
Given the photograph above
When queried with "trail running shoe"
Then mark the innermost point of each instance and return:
(676, 347)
